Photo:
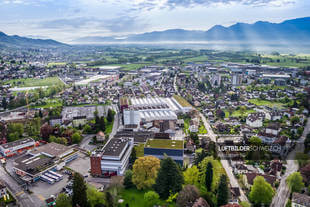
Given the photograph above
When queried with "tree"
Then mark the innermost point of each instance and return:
(4, 103)
(151, 198)
(188, 195)
(110, 115)
(87, 129)
(128, 179)
(144, 171)
(109, 199)
(133, 156)
(76, 138)
(191, 176)
(94, 196)
(209, 176)
(222, 191)
(294, 182)
(63, 200)
(169, 179)
(79, 196)
(254, 140)
(294, 120)
(261, 192)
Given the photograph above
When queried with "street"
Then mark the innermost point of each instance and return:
(282, 193)
(232, 179)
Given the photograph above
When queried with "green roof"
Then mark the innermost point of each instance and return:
(164, 144)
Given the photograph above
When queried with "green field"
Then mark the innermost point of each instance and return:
(33, 82)
(139, 150)
(51, 103)
(202, 129)
(271, 104)
(135, 197)
(237, 113)
(129, 67)
(52, 64)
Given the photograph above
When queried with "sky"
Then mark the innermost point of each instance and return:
(67, 20)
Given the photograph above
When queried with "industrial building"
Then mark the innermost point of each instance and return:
(41, 162)
(16, 147)
(112, 159)
(165, 147)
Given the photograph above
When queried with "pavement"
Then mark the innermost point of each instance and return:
(229, 171)
(283, 192)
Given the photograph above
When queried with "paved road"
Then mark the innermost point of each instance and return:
(282, 193)
(229, 171)
(23, 199)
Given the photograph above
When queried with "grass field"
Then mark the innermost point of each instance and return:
(32, 82)
(56, 64)
(140, 150)
(136, 66)
(237, 113)
(271, 104)
(135, 197)
(51, 103)
(202, 129)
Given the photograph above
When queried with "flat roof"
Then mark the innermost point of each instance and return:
(33, 164)
(52, 149)
(115, 146)
(164, 144)
(17, 143)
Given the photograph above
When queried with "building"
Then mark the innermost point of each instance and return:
(236, 79)
(16, 147)
(165, 147)
(49, 157)
(216, 80)
(254, 120)
(300, 200)
(112, 159)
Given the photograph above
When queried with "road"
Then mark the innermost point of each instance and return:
(23, 199)
(229, 171)
(282, 193)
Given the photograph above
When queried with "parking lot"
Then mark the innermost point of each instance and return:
(81, 164)
(40, 188)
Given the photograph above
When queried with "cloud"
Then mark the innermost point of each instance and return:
(118, 25)
(172, 4)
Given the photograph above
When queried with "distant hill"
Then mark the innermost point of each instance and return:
(17, 41)
(295, 30)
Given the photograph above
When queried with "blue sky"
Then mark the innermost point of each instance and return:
(66, 20)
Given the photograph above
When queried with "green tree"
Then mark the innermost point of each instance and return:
(191, 176)
(79, 196)
(94, 196)
(245, 204)
(63, 200)
(261, 192)
(110, 115)
(222, 191)
(144, 171)
(4, 103)
(169, 179)
(76, 138)
(187, 196)
(109, 199)
(209, 176)
(151, 198)
(254, 140)
(295, 182)
(128, 179)
(87, 129)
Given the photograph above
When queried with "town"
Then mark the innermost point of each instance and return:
(153, 127)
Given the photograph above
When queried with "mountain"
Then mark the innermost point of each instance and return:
(296, 30)
(17, 41)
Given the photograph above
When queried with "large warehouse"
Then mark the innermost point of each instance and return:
(144, 110)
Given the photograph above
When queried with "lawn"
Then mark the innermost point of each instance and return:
(108, 126)
(260, 102)
(139, 150)
(186, 124)
(237, 113)
(32, 82)
(50, 103)
(202, 129)
(128, 67)
(135, 197)
(56, 64)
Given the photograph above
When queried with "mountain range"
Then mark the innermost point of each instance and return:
(290, 31)
(296, 30)
(17, 41)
